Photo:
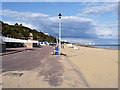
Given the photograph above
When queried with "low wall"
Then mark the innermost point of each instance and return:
(2, 47)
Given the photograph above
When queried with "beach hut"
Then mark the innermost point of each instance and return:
(69, 45)
(76, 48)
(43, 43)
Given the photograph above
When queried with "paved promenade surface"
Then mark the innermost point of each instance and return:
(13, 50)
(38, 68)
(26, 60)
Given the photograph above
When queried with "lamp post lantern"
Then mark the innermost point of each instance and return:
(60, 15)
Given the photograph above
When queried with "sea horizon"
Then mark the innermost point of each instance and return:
(104, 46)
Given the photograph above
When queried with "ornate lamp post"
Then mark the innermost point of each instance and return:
(60, 15)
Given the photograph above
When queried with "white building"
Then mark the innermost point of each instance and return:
(46, 33)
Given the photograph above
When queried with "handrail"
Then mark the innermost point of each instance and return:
(9, 39)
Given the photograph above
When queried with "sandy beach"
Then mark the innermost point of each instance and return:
(98, 66)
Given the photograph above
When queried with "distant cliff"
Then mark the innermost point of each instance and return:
(20, 31)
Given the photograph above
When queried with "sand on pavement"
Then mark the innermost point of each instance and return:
(40, 69)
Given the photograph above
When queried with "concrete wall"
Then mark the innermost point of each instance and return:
(29, 45)
(2, 47)
(14, 45)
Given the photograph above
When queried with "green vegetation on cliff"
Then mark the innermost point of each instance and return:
(21, 31)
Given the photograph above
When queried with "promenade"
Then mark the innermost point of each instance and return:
(39, 68)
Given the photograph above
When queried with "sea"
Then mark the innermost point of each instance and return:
(112, 47)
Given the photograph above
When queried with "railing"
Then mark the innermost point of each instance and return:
(9, 39)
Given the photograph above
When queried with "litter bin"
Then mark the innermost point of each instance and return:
(57, 53)
(57, 48)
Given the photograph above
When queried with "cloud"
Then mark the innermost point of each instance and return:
(96, 9)
(22, 15)
(77, 40)
(109, 31)
(78, 27)
(24, 24)
(72, 26)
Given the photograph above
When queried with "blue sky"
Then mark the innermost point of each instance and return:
(82, 22)
(49, 8)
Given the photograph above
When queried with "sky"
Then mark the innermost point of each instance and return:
(82, 22)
